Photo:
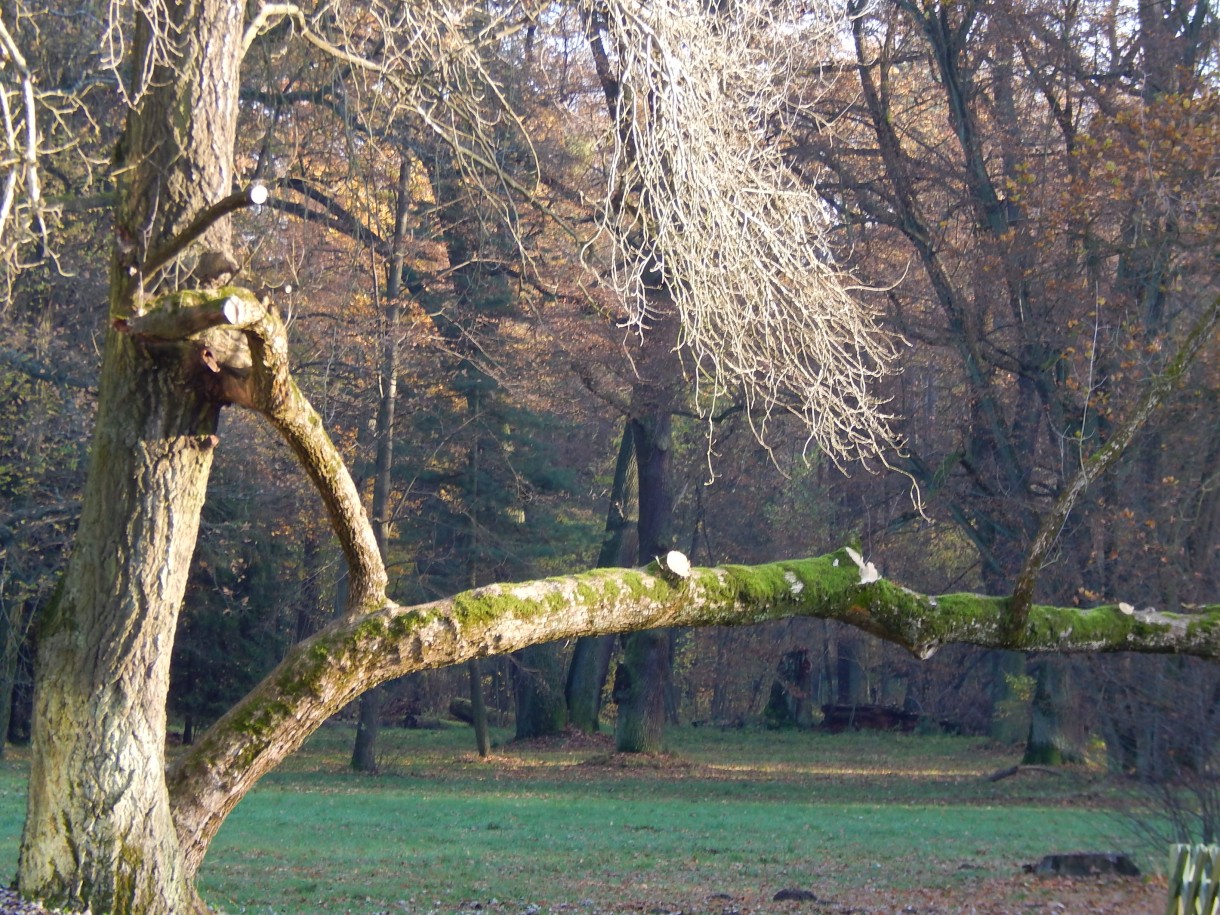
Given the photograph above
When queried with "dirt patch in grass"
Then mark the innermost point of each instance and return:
(655, 762)
(567, 742)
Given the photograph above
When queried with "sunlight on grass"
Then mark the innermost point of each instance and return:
(839, 770)
(741, 815)
(440, 830)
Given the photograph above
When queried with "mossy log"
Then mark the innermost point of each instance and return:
(327, 671)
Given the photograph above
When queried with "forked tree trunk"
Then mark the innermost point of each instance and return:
(587, 672)
(98, 832)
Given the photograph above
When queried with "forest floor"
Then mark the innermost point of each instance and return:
(854, 823)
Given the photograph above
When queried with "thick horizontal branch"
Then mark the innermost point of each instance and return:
(324, 673)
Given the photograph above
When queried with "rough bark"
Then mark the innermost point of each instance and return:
(639, 692)
(98, 831)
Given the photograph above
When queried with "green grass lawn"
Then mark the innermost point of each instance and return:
(742, 814)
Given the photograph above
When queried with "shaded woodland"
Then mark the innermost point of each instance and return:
(1024, 197)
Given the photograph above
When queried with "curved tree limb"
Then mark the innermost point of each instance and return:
(322, 674)
(242, 339)
(273, 392)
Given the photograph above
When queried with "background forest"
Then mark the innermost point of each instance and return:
(1028, 196)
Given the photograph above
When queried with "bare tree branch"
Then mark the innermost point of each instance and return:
(1158, 388)
(254, 195)
(700, 199)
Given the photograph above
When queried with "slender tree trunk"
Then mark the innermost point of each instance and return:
(644, 671)
(478, 707)
(364, 749)
(368, 723)
(16, 625)
(590, 662)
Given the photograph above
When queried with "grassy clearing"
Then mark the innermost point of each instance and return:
(719, 828)
(734, 815)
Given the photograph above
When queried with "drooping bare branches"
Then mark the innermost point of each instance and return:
(19, 126)
(700, 199)
(155, 20)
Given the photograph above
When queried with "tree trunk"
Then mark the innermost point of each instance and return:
(590, 662)
(538, 691)
(368, 723)
(478, 709)
(639, 692)
(16, 626)
(364, 749)
(644, 670)
(587, 673)
(1051, 742)
(98, 830)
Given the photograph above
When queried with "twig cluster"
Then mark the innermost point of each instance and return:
(22, 190)
(702, 203)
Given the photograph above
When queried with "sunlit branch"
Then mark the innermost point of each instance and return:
(254, 195)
